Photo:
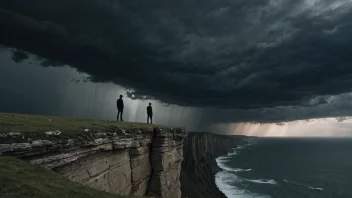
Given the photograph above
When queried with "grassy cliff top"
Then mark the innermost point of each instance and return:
(36, 127)
(38, 123)
(19, 179)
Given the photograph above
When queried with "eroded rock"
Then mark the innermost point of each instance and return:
(132, 162)
(53, 133)
(40, 143)
(13, 134)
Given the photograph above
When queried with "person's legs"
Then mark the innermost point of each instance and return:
(121, 115)
(151, 119)
(118, 113)
(148, 119)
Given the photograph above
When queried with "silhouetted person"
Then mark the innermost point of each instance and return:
(150, 113)
(119, 105)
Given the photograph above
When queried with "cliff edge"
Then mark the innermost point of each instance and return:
(199, 166)
(130, 159)
(120, 158)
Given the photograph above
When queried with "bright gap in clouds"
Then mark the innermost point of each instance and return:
(324, 127)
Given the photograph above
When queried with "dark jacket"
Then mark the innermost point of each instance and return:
(119, 104)
(150, 110)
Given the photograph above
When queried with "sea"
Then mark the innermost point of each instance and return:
(287, 168)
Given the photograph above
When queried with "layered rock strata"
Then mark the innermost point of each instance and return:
(134, 162)
(166, 158)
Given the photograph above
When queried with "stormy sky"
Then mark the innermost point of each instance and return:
(204, 64)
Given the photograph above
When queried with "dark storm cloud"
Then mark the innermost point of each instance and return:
(339, 106)
(19, 56)
(229, 53)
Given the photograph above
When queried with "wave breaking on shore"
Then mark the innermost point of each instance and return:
(226, 179)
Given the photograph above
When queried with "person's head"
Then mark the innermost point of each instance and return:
(120, 96)
(150, 104)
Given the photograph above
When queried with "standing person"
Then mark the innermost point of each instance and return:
(150, 113)
(119, 105)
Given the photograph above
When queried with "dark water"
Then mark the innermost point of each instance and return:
(285, 168)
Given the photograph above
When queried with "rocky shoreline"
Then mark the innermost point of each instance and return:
(199, 166)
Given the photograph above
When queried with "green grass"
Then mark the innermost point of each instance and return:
(38, 123)
(33, 127)
(20, 179)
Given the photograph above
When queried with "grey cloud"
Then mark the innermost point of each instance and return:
(221, 54)
(19, 56)
(338, 106)
(32, 89)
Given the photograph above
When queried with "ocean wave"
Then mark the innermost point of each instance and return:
(224, 181)
(221, 163)
(302, 185)
(223, 166)
(241, 170)
(242, 146)
(232, 154)
(262, 181)
(223, 159)
(313, 188)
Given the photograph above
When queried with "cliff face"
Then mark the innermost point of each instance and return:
(134, 162)
(131, 159)
(199, 166)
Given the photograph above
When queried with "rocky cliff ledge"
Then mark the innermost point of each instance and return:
(136, 160)
(199, 166)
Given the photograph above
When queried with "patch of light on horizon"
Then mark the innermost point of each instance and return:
(321, 127)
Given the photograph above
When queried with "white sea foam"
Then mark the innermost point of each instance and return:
(221, 163)
(223, 159)
(262, 181)
(241, 170)
(313, 188)
(232, 153)
(225, 180)
(240, 147)
(225, 183)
